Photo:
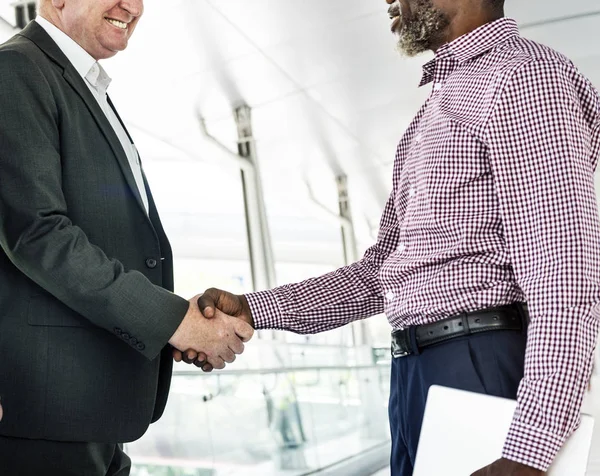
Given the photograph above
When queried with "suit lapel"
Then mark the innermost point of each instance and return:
(39, 36)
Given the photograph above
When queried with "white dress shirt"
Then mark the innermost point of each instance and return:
(97, 81)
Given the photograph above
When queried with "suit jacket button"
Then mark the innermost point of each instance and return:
(151, 263)
(140, 346)
(125, 336)
(133, 341)
(118, 331)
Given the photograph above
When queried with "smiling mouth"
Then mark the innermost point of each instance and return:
(116, 23)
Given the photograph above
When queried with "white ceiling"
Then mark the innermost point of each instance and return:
(329, 95)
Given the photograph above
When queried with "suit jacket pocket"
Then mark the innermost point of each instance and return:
(46, 310)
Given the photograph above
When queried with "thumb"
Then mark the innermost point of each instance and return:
(207, 302)
(243, 330)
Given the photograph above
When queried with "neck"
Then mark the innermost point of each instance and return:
(466, 22)
(51, 16)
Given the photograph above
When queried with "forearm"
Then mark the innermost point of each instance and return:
(58, 257)
(319, 304)
(558, 367)
(334, 299)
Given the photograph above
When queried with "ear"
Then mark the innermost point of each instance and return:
(58, 4)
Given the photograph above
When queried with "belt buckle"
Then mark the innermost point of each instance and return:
(401, 349)
(396, 354)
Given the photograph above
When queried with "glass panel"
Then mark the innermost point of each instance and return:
(288, 422)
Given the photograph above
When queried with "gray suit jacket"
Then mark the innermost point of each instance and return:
(85, 274)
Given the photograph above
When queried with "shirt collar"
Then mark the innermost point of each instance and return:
(98, 78)
(87, 67)
(469, 46)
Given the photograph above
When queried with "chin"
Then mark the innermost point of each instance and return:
(104, 54)
(111, 50)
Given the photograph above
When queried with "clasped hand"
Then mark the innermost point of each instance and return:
(209, 340)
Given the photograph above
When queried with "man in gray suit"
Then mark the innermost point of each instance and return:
(86, 273)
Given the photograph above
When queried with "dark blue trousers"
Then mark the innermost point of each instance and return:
(490, 363)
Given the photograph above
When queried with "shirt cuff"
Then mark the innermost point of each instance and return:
(531, 446)
(265, 310)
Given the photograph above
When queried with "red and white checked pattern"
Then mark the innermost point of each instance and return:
(493, 202)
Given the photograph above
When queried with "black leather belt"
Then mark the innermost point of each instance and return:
(513, 317)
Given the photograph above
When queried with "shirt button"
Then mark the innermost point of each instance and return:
(151, 263)
(390, 296)
(401, 248)
(438, 86)
(412, 192)
(418, 138)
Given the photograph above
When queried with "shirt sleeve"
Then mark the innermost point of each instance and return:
(543, 142)
(332, 300)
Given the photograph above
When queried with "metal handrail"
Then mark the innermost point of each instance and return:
(275, 371)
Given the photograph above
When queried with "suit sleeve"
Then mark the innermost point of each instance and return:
(37, 234)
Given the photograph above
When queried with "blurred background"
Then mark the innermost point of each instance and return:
(267, 129)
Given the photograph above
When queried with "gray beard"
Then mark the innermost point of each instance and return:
(419, 32)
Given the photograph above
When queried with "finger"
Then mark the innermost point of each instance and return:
(237, 346)
(177, 355)
(228, 356)
(189, 356)
(201, 358)
(201, 365)
(243, 330)
(207, 368)
(217, 363)
(207, 303)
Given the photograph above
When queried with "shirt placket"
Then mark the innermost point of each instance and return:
(437, 73)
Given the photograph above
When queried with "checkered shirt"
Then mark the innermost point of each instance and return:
(493, 202)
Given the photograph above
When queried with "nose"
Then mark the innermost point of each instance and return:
(134, 7)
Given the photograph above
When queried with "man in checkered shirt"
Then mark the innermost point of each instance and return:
(493, 205)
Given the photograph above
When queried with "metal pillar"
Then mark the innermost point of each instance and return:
(369, 391)
(259, 238)
(360, 331)
(348, 235)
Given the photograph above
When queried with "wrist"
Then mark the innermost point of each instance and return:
(180, 332)
(246, 314)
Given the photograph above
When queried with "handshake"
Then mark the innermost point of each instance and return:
(214, 330)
